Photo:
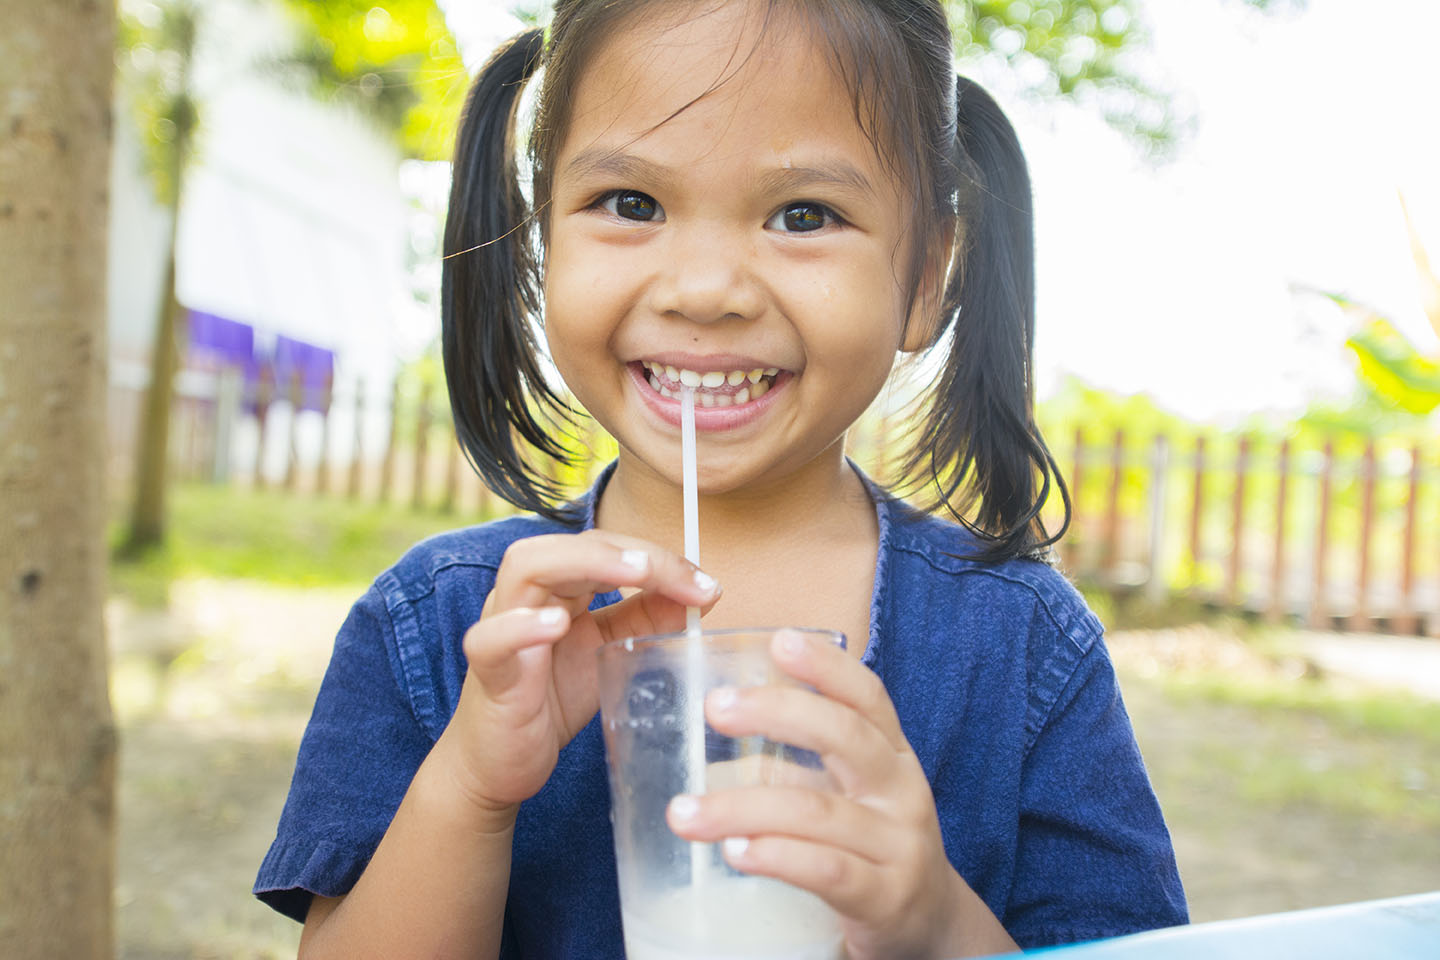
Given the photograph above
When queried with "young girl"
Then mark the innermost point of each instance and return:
(768, 200)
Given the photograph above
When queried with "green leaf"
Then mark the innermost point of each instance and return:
(1394, 369)
(396, 61)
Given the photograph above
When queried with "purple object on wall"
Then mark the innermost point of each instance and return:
(315, 365)
(217, 342)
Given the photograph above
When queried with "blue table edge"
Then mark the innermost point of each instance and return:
(1395, 927)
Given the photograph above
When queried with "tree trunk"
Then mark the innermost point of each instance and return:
(152, 461)
(57, 740)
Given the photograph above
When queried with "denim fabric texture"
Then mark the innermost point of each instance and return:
(999, 674)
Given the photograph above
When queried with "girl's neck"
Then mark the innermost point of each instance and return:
(821, 499)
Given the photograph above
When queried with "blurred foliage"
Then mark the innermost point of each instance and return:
(1075, 48)
(1392, 367)
(154, 64)
(395, 60)
(1081, 50)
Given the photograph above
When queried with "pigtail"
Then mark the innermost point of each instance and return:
(980, 449)
(491, 293)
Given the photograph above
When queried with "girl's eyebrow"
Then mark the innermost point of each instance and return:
(838, 174)
(614, 162)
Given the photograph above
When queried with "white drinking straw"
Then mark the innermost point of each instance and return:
(695, 652)
(691, 501)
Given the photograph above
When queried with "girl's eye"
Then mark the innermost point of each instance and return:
(632, 205)
(802, 218)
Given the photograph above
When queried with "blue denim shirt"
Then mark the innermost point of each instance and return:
(998, 672)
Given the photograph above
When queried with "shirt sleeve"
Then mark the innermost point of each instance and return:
(357, 757)
(1094, 857)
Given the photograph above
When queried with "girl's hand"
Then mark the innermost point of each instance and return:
(532, 680)
(872, 850)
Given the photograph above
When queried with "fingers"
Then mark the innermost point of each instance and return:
(855, 751)
(494, 643)
(818, 816)
(822, 842)
(839, 676)
(537, 571)
(843, 880)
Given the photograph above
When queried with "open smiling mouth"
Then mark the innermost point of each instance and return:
(713, 388)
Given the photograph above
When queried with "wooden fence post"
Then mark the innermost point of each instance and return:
(227, 412)
(452, 472)
(1277, 564)
(1077, 476)
(264, 390)
(484, 501)
(1158, 584)
(292, 458)
(1318, 617)
(1111, 564)
(1197, 509)
(322, 469)
(387, 465)
(357, 452)
(191, 456)
(1360, 617)
(422, 448)
(1408, 620)
(1237, 523)
(1432, 618)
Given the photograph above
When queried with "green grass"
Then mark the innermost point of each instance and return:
(1392, 713)
(1307, 744)
(1357, 756)
(274, 537)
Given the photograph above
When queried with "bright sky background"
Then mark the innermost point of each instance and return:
(1178, 280)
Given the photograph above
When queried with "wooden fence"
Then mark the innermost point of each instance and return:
(1343, 533)
(1339, 534)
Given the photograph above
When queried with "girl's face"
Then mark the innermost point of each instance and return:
(754, 230)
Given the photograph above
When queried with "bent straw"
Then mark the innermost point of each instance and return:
(695, 651)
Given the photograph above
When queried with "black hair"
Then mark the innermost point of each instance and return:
(977, 452)
(490, 294)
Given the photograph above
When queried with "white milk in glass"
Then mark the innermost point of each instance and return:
(735, 919)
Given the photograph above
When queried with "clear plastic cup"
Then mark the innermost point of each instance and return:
(678, 900)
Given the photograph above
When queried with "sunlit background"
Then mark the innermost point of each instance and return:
(1238, 368)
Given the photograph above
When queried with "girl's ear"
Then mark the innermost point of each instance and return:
(926, 320)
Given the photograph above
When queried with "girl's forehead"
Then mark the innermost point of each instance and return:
(737, 82)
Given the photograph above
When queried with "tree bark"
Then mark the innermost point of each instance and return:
(57, 739)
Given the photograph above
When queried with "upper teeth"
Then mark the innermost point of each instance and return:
(711, 378)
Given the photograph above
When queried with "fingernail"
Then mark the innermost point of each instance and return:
(636, 559)
(550, 616)
(723, 698)
(789, 643)
(705, 582)
(735, 847)
(684, 807)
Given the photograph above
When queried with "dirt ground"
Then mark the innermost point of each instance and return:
(213, 693)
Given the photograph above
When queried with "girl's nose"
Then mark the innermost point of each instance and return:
(707, 277)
